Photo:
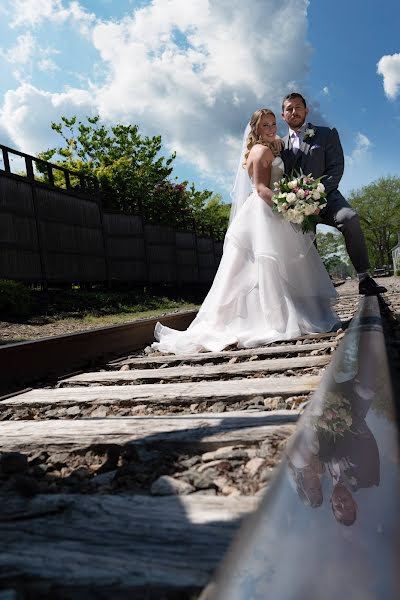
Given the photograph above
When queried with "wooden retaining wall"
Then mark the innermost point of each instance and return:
(54, 235)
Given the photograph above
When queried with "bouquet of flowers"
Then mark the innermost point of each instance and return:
(335, 418)
(298, 198)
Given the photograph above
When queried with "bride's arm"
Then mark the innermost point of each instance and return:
(262, 159)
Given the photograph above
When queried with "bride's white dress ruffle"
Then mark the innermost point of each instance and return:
(270, 285)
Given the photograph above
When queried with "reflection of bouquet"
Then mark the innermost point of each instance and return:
(336, 416)
(298, 198)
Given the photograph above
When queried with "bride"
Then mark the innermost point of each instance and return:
(271, 283)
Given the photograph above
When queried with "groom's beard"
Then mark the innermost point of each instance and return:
(296, 124)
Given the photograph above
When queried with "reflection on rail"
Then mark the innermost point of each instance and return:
(329, 525)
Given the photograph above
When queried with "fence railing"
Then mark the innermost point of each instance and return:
(59, 234)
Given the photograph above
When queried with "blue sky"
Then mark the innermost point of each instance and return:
(195, 71)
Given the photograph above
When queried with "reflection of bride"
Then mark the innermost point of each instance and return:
(271, 283)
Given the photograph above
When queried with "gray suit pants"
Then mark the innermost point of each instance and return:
(338, 213)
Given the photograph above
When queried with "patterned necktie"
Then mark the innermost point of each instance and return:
(295, 142)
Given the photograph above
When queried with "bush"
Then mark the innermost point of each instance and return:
(15, 299)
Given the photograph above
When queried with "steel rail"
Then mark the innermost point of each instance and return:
(23, 363)
(328, 525)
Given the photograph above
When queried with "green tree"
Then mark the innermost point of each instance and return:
(132, 176)
(216, 215)
(378, 205)
(209, 212)
(127, 166)
(332, 250)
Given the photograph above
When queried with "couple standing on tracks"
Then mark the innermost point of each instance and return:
(271, 283)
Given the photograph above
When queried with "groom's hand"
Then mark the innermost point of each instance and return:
(278, 144)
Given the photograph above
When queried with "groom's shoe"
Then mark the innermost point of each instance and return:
(369, 287)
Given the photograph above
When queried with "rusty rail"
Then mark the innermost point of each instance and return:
(26, 362)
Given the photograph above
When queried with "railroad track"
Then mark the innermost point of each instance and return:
(130, 479)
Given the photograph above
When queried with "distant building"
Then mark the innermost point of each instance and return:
(396, 255)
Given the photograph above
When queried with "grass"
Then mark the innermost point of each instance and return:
(102, 307)
(127, 315)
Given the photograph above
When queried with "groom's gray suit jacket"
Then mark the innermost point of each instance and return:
(319, 155)
(322, 155)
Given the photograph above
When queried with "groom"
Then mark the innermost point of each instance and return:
(317, 151)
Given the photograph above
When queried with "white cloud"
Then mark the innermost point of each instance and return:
(360, 166)
(191, 71)
(25, 54)
(27, 112)
(196, 71)
(389, 68)
(22, 51)
(31, 13)
(362, 147)
(325, 91)
(47, 65)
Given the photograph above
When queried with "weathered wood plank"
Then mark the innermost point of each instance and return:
(111, 545)
(277, 365)
(168, 393)
(205, 429)
(204, 357)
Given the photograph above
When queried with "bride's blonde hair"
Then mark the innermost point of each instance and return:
(253, 137)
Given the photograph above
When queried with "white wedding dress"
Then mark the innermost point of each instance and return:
(271, 285)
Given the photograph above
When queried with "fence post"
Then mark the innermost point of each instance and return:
(31, 178)
(197, 251)
(103, 233)
(6, 161)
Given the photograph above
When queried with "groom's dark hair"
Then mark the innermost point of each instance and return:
(292, 96)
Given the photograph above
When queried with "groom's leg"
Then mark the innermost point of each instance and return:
(339, 214)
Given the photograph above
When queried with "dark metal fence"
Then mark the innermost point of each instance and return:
(52, 234)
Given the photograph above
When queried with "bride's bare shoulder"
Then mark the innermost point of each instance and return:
(261, 152)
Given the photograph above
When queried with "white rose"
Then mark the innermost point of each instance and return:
(320, 188)
(291, 198)
(300, 194)
(292, 184)
(316, 195)
(309, 210)
(297, 218)
(294, 216)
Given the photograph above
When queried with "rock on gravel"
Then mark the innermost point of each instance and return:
(274, 403)
(228, 452)
(254, 465)
(169, 486)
